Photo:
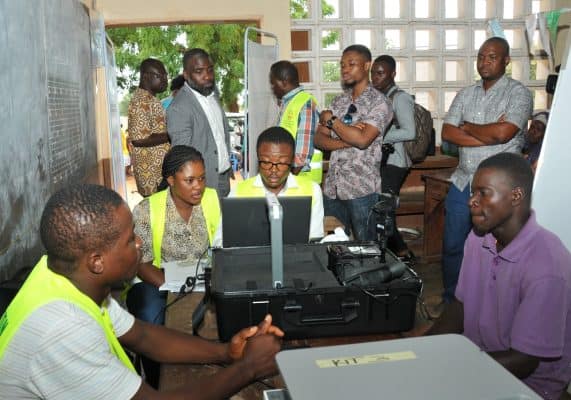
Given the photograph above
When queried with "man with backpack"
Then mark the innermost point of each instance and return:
(395, 162)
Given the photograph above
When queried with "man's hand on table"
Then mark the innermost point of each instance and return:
(239, 341)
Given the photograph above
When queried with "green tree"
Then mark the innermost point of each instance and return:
(331, 71)
(124, 104)
(224, 42)
(133, 45)
(299, 9)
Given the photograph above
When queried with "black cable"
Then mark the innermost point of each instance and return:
(391, 299)
(423, 309)
(185, 289)
(191, 281)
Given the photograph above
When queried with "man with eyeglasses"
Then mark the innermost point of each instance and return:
(195, 118)
(275, 149)
(148, 139)
(352, 132)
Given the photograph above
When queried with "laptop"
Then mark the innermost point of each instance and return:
(444, 367)
(245, 221)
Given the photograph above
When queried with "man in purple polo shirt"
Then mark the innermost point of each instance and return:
(513, 297)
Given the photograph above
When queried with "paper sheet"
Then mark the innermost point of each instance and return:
(176, 273)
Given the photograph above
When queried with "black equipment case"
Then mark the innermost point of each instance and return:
(313, 302)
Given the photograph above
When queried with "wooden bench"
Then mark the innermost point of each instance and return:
(411, 201)
(412, 192)
(413, 207)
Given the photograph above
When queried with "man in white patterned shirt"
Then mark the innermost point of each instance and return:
(487, 118)
(353, 131)
(62, 336)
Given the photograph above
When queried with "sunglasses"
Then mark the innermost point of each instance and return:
(348, 118)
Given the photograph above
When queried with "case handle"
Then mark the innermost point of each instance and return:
(293, 314)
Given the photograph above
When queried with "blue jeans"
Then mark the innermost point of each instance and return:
(457, 226)
(147, 303)
(355, 214)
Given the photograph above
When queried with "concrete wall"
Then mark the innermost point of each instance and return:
(272, 15)
(46, 115)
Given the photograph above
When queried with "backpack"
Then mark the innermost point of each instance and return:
(417, 149)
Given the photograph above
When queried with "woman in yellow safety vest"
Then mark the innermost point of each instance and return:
(177, 223)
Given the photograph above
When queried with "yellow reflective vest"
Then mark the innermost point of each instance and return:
(158, 208)
(248, 189)
(44, 286)
(289, 121)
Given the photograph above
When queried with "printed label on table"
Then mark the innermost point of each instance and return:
(365, 359)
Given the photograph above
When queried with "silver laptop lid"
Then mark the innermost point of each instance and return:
(444, 367)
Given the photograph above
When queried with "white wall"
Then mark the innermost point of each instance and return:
(272, 15)
(552, 188)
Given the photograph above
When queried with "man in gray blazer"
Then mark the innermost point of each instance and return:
(196, 118)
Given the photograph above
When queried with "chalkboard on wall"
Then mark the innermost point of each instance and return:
(46, 114)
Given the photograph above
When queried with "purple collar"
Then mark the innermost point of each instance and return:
(522, 241)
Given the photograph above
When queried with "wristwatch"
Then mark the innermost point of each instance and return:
(330, 122)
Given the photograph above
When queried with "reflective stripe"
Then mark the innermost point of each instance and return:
(44, 286)
(248, 189)
(289, 121)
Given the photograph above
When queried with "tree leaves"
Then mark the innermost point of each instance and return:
(224, 42)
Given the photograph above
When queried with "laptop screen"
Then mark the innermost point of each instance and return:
(245, 220)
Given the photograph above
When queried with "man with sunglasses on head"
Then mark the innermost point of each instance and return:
(148, 139)
(352, 131)
(275, 149)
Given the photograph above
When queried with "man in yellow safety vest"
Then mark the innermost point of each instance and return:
(299, 116)
(62, 337)
(275, 156)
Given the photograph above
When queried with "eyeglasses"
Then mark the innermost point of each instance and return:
(348, 118)
(268, 165)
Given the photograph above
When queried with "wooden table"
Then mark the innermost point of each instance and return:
(436, 189)
(178, 316)
(438, 162)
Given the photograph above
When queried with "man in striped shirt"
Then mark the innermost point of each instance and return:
(62, 337)
(298, 114)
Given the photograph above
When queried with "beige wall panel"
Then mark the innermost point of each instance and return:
(272, 15)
